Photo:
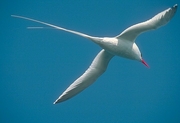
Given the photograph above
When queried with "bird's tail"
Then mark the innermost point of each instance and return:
(94, 39)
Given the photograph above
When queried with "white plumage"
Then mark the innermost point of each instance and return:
(122, 45)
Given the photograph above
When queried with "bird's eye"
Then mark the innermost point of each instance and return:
(141, 54)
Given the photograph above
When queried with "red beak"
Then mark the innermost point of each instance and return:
(145, 63)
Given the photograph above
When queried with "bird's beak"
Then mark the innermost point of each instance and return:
(145, 63)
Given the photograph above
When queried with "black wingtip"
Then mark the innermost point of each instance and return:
(175, 6)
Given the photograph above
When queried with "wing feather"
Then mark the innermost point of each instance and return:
(157, 21)
(97, 68)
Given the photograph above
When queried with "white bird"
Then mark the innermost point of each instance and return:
(122, 45)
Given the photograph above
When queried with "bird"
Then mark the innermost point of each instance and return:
(122, 45)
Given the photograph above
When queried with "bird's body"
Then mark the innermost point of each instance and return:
(122, 48)
(122, 45)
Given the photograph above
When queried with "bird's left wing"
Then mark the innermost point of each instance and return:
(97, 68)
(157, 21)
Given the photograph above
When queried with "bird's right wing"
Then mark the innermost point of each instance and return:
(97, 68)
(157, 21)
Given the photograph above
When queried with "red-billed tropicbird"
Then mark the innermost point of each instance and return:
(122, 45)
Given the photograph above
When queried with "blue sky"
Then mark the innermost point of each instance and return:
(38, 65)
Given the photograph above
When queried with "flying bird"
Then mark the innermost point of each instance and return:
(122, 45)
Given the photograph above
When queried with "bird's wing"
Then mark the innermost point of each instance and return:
(97, 68)
(157, 21)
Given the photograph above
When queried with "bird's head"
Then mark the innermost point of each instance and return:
(138, 55)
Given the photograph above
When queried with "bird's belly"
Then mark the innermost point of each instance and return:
(119, 48)
(122, 51)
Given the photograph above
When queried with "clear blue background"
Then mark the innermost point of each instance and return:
(36, 66)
